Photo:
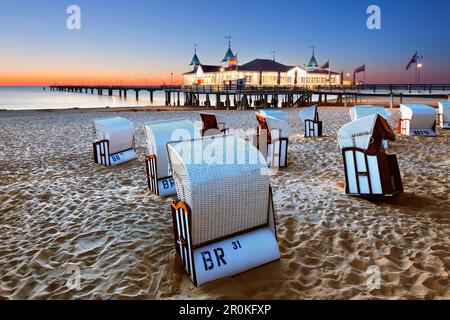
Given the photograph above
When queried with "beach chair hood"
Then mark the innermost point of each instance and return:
(366, 133)
(309, 113)
(221, 180)
(159, 133)
(119, 131)
(278, 124)
(444, 112)
(274, 113)
(359, 112)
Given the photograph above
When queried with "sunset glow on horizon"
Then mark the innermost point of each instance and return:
(151, 42)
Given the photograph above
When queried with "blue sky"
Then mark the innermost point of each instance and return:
(137, 40)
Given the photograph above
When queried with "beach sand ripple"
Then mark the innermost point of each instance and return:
(62, 216)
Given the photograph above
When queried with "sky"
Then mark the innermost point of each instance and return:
(145, 41)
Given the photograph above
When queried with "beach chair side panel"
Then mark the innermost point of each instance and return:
(277, 153)
(276, 149)
(101, 152)
(181, 217)
(392, 178)
(163, 186)
(403, 127)
(313, 128)
(444, 121)
(362, 173)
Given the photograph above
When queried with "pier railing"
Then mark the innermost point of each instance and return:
(360, 88)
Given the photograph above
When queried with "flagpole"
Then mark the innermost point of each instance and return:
(365, 68)
(417, 71)
(329, 72)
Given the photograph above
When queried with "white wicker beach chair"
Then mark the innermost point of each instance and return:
(114, 141)
(369, 171)
(417, 120)
(359, 112)
(224, 220)
(158, 134)
(444, 115)
(273, 137)
(213, 124)
(310, 117)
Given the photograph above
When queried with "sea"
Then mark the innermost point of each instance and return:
(29, 98)
(38, 98)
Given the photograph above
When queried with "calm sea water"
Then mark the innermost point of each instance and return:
(19, 98)
(27, 98)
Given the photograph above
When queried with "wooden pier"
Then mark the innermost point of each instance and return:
(110, 90)
(241, 98)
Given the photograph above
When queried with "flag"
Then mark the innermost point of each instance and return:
(233, 61)
(326, 65)
(413, 61)
(360, 69)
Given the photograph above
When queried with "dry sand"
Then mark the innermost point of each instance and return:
(59, 210)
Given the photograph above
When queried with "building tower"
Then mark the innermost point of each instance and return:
(195, 60)
(313, 62)
(229, 55)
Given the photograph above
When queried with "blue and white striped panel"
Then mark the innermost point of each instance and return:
(277, 153)
(152, 181)
(102, 153)
(311, 129)
(182, 222)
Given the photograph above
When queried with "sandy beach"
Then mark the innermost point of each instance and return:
(60, 212)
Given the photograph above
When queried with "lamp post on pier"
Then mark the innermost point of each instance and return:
(419, 67)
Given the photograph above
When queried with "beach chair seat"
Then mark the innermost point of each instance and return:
(223, 221)
(369, 171)
(358, 112)
(417, 120)
(114, 141)
(213, 124)
(444, 115)
(273, 138)
(158, 134)
(310, 117)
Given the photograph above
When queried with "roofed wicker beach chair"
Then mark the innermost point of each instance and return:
(444, 115)
(310, 117)
(417, 120)
(273, 137)
(114, 141)
(213, 124)
(224, 221)
(369, 171)
(158, 134)
(359, 112)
